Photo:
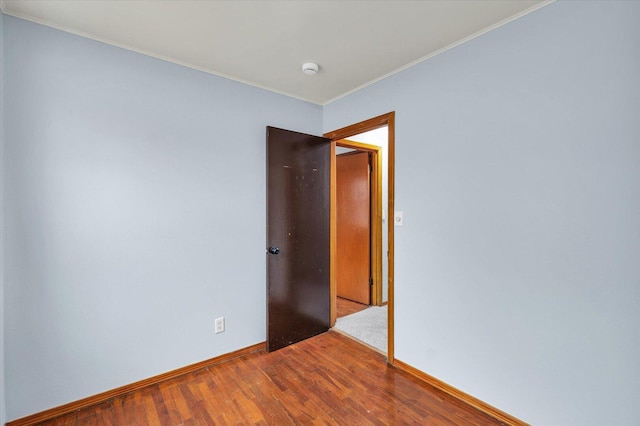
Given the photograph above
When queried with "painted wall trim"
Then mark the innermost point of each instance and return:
(497, 414)
(105, 396)
(444, 49)
(144, 52)
(229, 77)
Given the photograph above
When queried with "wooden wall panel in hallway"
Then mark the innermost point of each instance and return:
(328, 379)
(353, 226)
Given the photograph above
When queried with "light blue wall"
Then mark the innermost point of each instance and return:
(518, 171)
(135, 214)
(3, 418)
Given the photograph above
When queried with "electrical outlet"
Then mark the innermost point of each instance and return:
(219, 325)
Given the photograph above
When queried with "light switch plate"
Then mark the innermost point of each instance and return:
(398, 219)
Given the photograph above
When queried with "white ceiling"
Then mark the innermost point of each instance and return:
(264, 43)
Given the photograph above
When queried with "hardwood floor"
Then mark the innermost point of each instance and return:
(326, 380)
(346, 307)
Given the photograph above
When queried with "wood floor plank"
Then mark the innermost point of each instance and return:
(326, 380)
(346, 307)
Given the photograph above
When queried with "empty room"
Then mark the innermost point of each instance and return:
(168, 211)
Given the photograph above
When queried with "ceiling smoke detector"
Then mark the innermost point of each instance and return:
(310, 68)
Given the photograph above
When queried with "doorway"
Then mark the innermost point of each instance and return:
(302, 167)
(340, 138)
(358, 228)
(353, 226)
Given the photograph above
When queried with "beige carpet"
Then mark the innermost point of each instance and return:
(368, 326)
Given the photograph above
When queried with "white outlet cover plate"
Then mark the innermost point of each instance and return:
(219, 325)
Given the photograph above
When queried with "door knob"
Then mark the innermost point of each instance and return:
(273, 250)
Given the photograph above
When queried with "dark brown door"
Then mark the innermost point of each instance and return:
(353, 225)
(298, 196)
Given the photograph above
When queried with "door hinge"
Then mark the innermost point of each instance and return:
(371, 282)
